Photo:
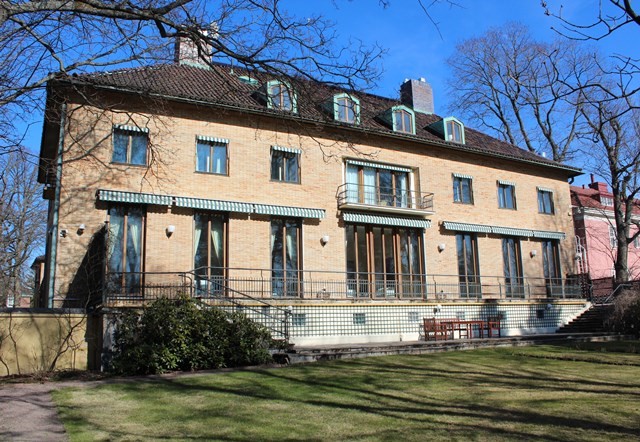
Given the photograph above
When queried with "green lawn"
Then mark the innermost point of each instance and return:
(550, 393)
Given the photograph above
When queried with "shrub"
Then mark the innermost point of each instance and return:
(625, 316)
(182, 335)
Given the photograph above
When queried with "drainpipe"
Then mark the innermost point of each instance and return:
(56, 209)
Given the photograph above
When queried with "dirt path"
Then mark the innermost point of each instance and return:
(27, 413)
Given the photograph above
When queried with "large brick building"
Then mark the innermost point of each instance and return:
(358, 214)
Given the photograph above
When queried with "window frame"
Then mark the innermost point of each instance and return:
(130, 132)
(126, 276)
(337, 106)
(286, 156)
(212, 145)
(457, 180)
(543, 208)
(283, 88)
(613, 237)
(363, 195)
(405, 111)
(291, 287)
(208, 217)
(502, 195)
(468, 263)
(449, 126)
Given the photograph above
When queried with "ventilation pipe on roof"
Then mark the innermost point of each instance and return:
(418, 95)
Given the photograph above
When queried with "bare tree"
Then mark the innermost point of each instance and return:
(520, 89)
(22, 218)
(39, 40)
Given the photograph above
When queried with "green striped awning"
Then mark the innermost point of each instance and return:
(298, 212)
(507, 183)
(548, 235)
(287, 149)
(545, 189)
(131, 128)
(464, 227)
(365, 218)
(462, 175)
(215, 140)
(133, 197)
(511, 231)
(379, 166)
(215, 205)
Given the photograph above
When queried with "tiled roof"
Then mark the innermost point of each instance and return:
(221, 85)
(590, 199)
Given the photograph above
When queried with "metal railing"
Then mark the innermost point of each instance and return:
(377, 196)
(258, 285)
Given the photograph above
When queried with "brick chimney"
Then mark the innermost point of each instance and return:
(418, 95)
(599, 186)
(186, 51)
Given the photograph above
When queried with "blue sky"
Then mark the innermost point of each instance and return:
(417, 48)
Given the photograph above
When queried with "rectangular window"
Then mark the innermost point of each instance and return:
(286, 259)
(130, 146)
(211, 156)
(636, 242)
(512, 260)
(468, 269)
(378, 186)
(613, 237)
(359, 318)
(299, 319)
(209, 252)
(124, 249)
(506, 196)
(384, 262)
(285, 166)
(551, 266)
(545, 201)
(462, 189)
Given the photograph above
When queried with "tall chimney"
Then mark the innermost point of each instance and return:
(186, 51)
(418, 95)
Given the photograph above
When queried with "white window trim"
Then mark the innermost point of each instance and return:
(292, 96)
(447, 135)
(398, 108)
(356, 105)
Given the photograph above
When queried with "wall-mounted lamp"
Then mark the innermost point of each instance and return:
(170, 229)
(63, 233)
(578, 256)
(441, 247)
(533, 253)
(548, 307)
(437, 309)
(81, 229)
(324, 240)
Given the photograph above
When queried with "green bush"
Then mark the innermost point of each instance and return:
(625, 317)
(181, 335)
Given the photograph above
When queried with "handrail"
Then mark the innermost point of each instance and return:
(383, 197)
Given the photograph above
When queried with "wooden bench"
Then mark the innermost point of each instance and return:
(434, 330)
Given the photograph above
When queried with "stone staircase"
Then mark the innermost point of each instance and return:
(591, 321)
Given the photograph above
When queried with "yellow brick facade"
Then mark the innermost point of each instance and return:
(172, 135)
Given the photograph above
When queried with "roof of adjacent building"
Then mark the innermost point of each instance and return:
(591, 198)
(221, 85)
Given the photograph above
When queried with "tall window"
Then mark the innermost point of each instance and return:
(506, 195)
(403, 121)
(211, 155)
(545, 201)
(130, 145)
(286, 259)
(613, 237)
(462, 189)
(384, 261)
(346, 109)
(376, 185)
(124, 249)
(468, 269)
(512, 260)
(209, 251)
(551, 266)
(285, 165)
(280, 96)
(455, 131)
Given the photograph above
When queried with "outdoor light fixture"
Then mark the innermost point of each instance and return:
(63, 233)
(578, 256)
(170, 229)
(437, 309)
(324, 240)
(441, 247)
(81, 229)
(533, 253)
(549, 306)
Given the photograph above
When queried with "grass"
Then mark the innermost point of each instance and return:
(546, 393)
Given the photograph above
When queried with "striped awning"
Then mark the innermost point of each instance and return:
(464, 227)
(286, 149)
(131, 128)
(510, 231)
(379, 166)
(507, 183)
(215, 140)
(297, 212)
(215, 205)
(545, 189)
(548, 235)
(462, 175)
(365, 218)
(133, 197)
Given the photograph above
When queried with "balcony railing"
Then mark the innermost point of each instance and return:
(386, 199)
(259, 284)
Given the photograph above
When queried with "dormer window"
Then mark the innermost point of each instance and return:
(280, 96)
(403, 120)
(346, 109)
(451, 129)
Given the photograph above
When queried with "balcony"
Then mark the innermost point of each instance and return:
(379, 199)
(259, 285)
